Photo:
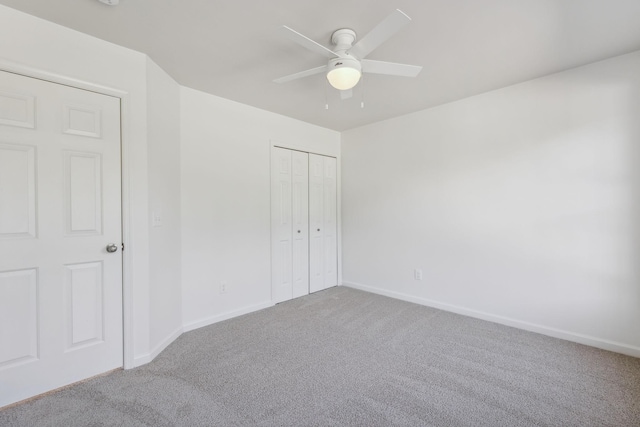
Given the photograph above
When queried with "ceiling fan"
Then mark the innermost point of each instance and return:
(347, 60)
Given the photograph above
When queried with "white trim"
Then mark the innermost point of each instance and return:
(532, 327)
(303, 147)
(339, 214)
(271, 145)
(127, 235)
(36, 73)
(225, 316)
(146, 358)
(127, 261)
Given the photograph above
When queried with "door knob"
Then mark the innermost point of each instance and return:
(318, 229)
(112, 247)
(298, 231)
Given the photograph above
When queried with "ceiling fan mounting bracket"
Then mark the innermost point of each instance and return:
(343, 38)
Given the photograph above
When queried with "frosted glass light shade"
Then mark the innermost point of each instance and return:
(344, 78)
(344, 73)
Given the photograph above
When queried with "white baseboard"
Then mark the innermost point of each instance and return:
(224, 316)
(544, 330)
(146, 358)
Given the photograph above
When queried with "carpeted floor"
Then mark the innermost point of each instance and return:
(343, 357)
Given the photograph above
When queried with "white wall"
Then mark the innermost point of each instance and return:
(226, 204)
(165, 256)
(520, 205)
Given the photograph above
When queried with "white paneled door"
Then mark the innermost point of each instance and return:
(290, 225)
(60, 280)
(304, 226)
(323, 254)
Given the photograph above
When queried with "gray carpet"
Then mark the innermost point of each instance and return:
(343, 357)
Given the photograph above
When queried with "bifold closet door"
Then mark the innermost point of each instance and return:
(323, 229)
(289, 224)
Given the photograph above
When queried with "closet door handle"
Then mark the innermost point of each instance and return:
(298, 231)
(318, 229)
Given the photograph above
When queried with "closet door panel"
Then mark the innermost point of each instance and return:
(330, 226)
(316, 222)
(281, 225)
(300, 222)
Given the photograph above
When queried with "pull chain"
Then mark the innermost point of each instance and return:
(326, 101)
(362, 92)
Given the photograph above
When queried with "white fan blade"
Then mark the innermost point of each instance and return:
(301, 74)
(306, 42)
(380, 34)
(389, 68)
(346, 94)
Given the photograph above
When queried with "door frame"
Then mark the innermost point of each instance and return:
(323, 151)
(125, 173)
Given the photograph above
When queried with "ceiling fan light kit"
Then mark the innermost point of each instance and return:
(344, 73)
(346, 61)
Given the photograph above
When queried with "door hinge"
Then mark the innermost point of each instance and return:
(123, 246)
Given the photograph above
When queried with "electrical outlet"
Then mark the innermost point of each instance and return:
(417, 274)
(224, 286)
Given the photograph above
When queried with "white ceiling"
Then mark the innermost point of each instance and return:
(233, 49)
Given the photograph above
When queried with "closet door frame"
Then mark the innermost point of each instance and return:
(317, 148)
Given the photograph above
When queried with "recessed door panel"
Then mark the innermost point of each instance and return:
(18, 317)
(315, 264)
(16, 109)
(82, 121)
(17, 191)
(85, 304)
(299, 264)
(284, 213)
(83, 193)
(284, 264)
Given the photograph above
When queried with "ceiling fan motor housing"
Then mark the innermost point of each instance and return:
(347, 62)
